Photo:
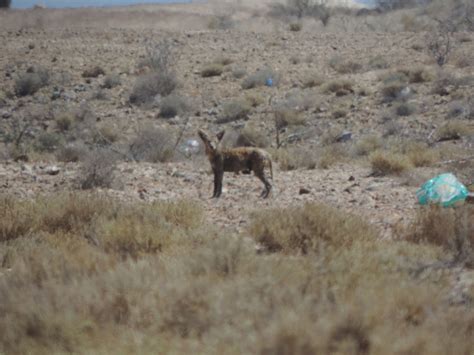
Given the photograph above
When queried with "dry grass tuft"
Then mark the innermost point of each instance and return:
(212, 69)
(452, 229)
(339, 87)
(235, 110)
(252, 136)
(173, 105)
(368, 144)
(452, 130)
(98, 170)
(150, 85)
(261, 78)
(405, 109)
(296, 26)
(388, 163)
(308, 229)
(295, 158)
(344, 66)
(153, 144)
(312, 79)
(90, 274)
(30, 82)
(93, 72)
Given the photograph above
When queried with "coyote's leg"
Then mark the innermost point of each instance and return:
(261, 175)
(218, 176)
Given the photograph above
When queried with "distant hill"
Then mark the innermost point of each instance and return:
(99, 3)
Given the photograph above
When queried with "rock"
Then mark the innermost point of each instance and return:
(304, 191)
(344, 137)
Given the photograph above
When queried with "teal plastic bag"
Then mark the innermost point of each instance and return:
(444, 189)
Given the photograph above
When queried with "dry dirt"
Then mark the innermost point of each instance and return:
(69, 41)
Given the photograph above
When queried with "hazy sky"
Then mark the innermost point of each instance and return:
(78, 3)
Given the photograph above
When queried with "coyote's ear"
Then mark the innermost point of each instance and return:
(220, 135)
(202, 135)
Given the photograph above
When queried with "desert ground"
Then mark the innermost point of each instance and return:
(111, 242)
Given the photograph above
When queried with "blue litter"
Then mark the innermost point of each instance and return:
(445, 190)
(269, 82)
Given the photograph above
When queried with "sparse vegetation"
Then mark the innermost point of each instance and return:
(30, 82)
(285, 116)
(405, 109)
(72, 153)
(296, 26)
(344, 65)
(98, 170)
(341, 260)
(234, 110)
(388, 163)
(161, 80)
(220, 22)
(48, 142)
(340, 87)
(300, 9)
(311, 79)
(173, 105)
(378, 62)
(149, 86)
(308, 229)
(452, 229)
(93, 72)
(111, 81)
(251, 136)
(153, 145)
(260, 78)
(212, 69)
(292, 158)
(368, 145)
(452, 130)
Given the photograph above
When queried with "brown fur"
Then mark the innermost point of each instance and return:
(236, 160)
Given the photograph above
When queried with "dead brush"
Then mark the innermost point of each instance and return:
(453, 130)
(308, 229)
(451, 229)
(98, 170)
(388, 163)
(292, 158)
(16, 218)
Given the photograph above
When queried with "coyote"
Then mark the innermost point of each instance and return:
(244, 159)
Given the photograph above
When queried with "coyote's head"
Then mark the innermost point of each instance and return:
(211, 145)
